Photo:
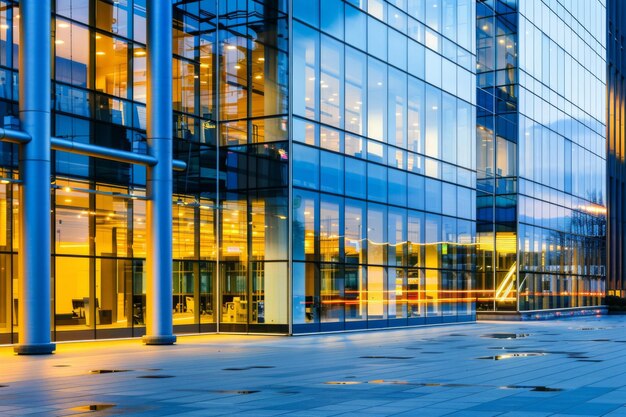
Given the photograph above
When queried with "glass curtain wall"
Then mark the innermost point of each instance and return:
(562, 154)
(99, 84)
(616, 147)
(99, 206)
(541, 159)
(195, 142)
(383, 170)
(253, 161)
(497, 137)
(381, 145)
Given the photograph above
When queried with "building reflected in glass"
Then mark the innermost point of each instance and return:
(616, 149)
(541, 155)
(383, 171)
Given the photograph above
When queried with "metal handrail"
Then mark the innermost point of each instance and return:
(87, 149)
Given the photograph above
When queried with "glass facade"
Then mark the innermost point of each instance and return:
(351, 164)
(542, 158)
(328, 188)
(616, 148)
(383, 222)
(99, 206)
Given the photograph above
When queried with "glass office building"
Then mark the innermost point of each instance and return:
(541, 159)
(616, 148)
(330, 181)
(382, 163)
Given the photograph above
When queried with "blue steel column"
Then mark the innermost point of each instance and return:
(34, 165)
(159, 329)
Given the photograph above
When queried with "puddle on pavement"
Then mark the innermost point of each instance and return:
(512, 355)
(108, 371)
(342, 383)
(536, 388)
(93, 407)
(510, 347)
(155, 376)
(593, 328)
(386, 357)
(248, 368)
(235, 391)
(418, 384)
(383, 381)
(506, 335)
(453, 385)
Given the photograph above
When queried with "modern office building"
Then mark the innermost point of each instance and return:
(541, 158)
(297, 166)
(234, 166)
(616, 149)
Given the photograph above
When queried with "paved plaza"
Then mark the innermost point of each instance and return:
(571, 367)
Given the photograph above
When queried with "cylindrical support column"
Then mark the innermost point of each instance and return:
(159, 328)
(34, 165)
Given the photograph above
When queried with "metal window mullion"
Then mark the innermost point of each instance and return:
(290, 207)
(217, 214)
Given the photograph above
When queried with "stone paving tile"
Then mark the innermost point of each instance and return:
(439, 374)
(466, 413)
(619, 412)
(422, 413)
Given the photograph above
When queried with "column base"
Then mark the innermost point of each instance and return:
(35, 349)
(159, 340)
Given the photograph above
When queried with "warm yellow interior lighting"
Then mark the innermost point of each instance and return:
(507, 286)
(505, 243)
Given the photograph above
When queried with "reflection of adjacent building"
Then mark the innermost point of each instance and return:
(616, 148)
(541, 166)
